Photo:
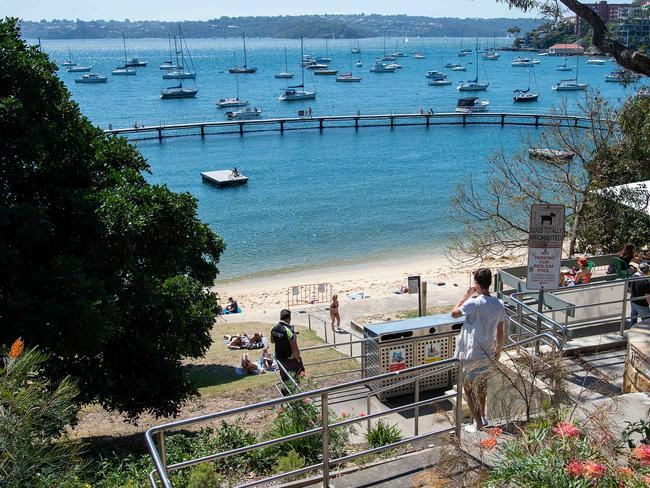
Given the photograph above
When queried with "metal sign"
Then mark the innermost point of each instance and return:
(546, 226)
(545, 238)
(414, 284)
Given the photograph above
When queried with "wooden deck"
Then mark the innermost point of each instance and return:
(347, 121)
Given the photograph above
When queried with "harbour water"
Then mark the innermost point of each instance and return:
(316, 199)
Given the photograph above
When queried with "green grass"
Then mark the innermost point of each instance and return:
(411, 314)
(215, 373)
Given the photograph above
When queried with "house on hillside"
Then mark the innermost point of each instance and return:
(565, 49)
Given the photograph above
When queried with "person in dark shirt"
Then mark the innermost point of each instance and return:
(232, 306)
(287, 351)
(639, 293)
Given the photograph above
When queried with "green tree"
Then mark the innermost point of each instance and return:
(34, 414)
(102, 270)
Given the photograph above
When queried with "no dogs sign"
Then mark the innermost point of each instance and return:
(545, 238)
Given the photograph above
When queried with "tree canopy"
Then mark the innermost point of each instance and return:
(104, 272)
(602, 38)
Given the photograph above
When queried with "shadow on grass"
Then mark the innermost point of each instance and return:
(204, 375)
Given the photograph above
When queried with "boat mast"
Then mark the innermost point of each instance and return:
(302, 68)
(124, 44)
(171, 56)
(244, 39)
(476, 80)
(234, 53)
(187, 49)
(286, 64)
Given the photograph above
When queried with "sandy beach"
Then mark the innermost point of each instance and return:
(375, 279)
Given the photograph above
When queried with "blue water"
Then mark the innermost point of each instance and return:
(319, 198)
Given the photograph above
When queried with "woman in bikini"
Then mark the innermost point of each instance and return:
(334, 314)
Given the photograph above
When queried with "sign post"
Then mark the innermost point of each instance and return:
(545, 239)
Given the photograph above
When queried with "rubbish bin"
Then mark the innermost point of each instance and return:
(401, 344)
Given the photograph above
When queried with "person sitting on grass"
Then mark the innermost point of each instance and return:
(235, 342)
(268, 363)
(249, 366)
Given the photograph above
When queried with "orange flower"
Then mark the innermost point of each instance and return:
(16, 348)
(592, 469)
(488, 443)
(494, 431)
(642, 453)
(575, 468)
(566, 429)
(625, 471)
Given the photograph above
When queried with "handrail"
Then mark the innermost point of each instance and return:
(159, 459)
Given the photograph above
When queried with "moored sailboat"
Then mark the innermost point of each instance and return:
(298, 92)
(285, 73)
(245, 69)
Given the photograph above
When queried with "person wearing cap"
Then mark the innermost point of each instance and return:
(640, 295)
(583, 276)
(287, 352)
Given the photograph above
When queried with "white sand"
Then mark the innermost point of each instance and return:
(376, 279)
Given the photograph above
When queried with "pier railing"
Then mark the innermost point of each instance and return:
(348, 121)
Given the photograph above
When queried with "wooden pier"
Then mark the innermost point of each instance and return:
(281, 125)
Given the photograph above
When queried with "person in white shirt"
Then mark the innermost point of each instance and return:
(480, 341)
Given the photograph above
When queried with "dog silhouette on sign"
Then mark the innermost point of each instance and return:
(548, 218)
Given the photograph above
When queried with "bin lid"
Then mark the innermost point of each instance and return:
(427, 322)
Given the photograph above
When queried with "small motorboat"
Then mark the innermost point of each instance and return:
(522, 96)
(326, 72)
(436, 75)
(91, 78)
(245, 114)
(547, 154)
(596, 61)
(471, 105)
(458, 67)
(348, 78)
(232, 102)
(124, 71)
(79, 69)
(438, 82)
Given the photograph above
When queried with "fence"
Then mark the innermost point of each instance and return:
(309, 294)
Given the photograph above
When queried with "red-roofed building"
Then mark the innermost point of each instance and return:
(565, 49)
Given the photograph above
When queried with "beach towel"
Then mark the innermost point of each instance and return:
(357, 295)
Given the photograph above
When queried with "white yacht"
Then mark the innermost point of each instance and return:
(79, 69)
(285, 73)
(569, 85)
(564, 67)
(124, 71)
(471, 105)
(381, 67)
(473, 85)
(524, 62)
(438, 82)
(491, 56)
(298, 92)
(418, 55)
(596, 61)
(179, 72)
(91, 78)
(348, 78)
(231, 102)
(436, 75)
(359, 64)
(458, 67)
(245, 114)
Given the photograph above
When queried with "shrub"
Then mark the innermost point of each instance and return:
(290, 462)
(383, 434)
(34, 413)
(204, 476)
(301, 416)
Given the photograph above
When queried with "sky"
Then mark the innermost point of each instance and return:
(208, 9)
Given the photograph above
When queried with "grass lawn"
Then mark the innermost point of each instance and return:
(215, 373)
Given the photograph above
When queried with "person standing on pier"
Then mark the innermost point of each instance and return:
(480, 341)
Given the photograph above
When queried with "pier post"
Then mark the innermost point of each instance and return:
(392, 121)
(282, 127)
(536, 120)
(503, 119)
(356, 123)
(464, 119)
(241, 129)
(202, 131)
(428, 121)
(320, 124)
(159, 134)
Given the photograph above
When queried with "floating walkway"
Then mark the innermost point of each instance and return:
(347, 121)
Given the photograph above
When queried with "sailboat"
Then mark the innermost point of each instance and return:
(242, 69)
(178, 91)
(133, 62)
(298, 92)
(124, 70)
(285, 73)
(526, 95)
(179, 72)
(564, 66)
(348, 77)
(169, 64)
(571, 84)
(325, 59)
(473, 85)
(356, 49)
(492, 55)
(463, 52)
(78, 69)
(70, 61)
(388, 57)
(233, 101)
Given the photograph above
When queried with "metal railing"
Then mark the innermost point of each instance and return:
(155, 436)
(563, 310)
(355, 121)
